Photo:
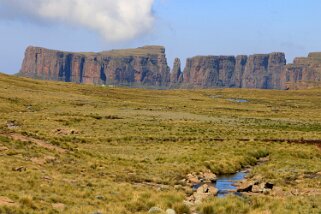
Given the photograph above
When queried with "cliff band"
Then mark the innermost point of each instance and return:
(148, 66)
(145, 65)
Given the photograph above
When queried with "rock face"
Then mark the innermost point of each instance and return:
(209, 71)
(256, 71)
(240, 63)
(303, 73)
(176, 74)
(263, 71)
(146, 65)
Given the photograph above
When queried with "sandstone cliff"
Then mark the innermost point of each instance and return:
(148, 66)
(256, 71)
(145, 65)
(237, 77)
(305, 72)
(209, 71)
(176, 73)
(263, 71)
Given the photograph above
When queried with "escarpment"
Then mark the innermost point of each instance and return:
(304, 72)
(145, 65)
(256, 71)
(148, 66)
(209, 71)
(263, 71)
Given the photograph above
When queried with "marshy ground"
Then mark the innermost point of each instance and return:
(68, 148)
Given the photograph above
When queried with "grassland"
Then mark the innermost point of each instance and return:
(68, 148)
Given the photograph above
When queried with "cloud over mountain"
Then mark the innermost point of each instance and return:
(114, 20)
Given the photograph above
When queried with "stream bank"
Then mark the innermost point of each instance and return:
(207, 184)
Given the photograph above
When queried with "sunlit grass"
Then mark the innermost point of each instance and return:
(126, 149)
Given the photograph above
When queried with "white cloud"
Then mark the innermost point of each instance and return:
(115, 20)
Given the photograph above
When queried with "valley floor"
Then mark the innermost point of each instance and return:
(70, 148)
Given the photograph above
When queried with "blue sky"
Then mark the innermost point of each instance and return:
(185, 27)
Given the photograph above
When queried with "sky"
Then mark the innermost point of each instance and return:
(185, 27)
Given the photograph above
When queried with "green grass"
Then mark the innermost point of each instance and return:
(127, 148)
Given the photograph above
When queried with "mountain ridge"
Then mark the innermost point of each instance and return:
(147, 66)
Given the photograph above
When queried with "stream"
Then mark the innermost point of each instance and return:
(224, 183)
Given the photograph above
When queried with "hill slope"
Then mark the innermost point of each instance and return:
(74, 148)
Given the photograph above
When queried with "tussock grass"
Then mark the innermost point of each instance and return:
(127, 148)
(260, 204)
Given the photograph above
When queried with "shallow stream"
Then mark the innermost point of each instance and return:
(224, 183)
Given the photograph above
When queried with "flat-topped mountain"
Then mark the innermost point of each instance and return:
(148, 66)
(256, 71)
(145, 65)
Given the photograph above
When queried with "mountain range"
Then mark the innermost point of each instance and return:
(147, 66)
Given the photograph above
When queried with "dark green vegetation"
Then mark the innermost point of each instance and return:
(79, 149)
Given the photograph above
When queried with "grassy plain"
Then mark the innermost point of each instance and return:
(69, 148)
